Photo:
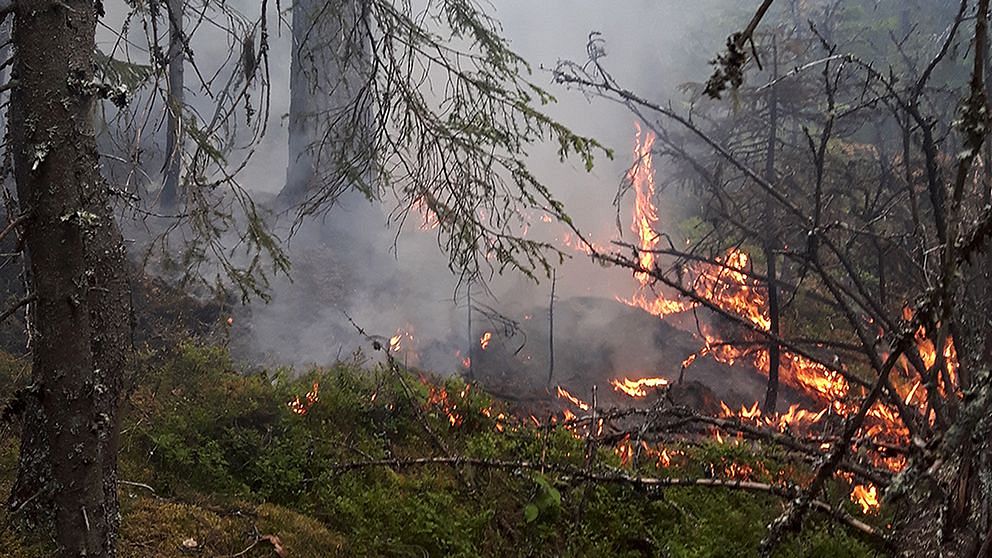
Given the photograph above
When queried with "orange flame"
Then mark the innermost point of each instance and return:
(303, 406)
(438, 398)
(641, 177)
(624, 450)
(637, 388)
(485, 339)
(564, 394)
(867, 497)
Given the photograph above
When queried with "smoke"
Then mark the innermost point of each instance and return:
(353, 266)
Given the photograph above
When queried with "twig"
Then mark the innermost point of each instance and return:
(571, 473)
(137, 484)
(551, 328)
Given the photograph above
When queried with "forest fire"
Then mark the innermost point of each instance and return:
(637, 388)
(866, 497)
(402, 340)
(438, 398)
(303, 406)
(726, 283)
(729, 285)
(564, 394)
(946, 374)
(641, 178)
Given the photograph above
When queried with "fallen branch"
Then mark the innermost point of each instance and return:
(17, 305)
(571, 473)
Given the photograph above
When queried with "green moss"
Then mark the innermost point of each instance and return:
(153, 528)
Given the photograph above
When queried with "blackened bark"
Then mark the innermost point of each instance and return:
(175, 98)
(67, 470)
(774, 352)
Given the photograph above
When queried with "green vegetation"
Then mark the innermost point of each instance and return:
(230, 463)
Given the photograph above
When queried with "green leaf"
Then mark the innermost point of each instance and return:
(530, 513)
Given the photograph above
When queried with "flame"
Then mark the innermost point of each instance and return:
(738, 471)
(728, 286)
(797, 417)
(464, 361)
(928, 353)
(404, 341)
(439, 398)
(662, 455)
(564, 394)
(641, 177)
(485, 339)
(624, 450)
(430, 218)
(867, 497)
(637, 388)
(303, 406)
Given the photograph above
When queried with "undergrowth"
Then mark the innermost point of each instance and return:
(216, 463)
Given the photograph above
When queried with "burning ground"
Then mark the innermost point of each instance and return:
(634, 370)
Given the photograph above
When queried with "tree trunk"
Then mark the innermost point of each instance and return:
(327, 67)
(67, 471)
(770, 242)
(174, 111)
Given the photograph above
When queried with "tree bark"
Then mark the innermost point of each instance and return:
(770, 242)
(67, 469)
(328, 59)
(175, 95)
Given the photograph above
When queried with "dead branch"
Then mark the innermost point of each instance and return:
(575, 474)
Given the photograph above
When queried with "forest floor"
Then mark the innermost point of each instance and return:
(219, 462)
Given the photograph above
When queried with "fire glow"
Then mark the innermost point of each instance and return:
(303, 406)
(866, 497)
(564, 394)
(729, 286)
(641, 179)
(637, 388)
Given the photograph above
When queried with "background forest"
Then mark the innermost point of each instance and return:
(446, 278)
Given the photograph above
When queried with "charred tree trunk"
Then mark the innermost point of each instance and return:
(175, 98)
(67, 471)
(770, 242)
